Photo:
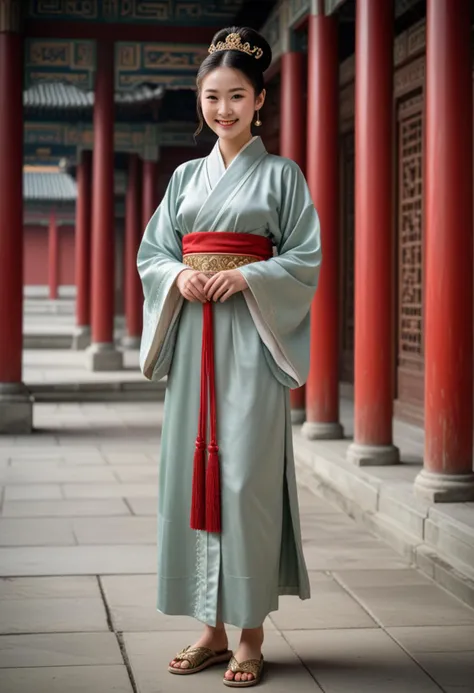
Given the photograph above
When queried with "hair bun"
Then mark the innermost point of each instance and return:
(252, 37)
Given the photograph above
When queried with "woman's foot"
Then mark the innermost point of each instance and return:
(250, 647)
(212, 638)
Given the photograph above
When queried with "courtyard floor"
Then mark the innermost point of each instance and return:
(78, 563)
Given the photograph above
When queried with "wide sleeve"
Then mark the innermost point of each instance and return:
(281, 289)
(159, 263)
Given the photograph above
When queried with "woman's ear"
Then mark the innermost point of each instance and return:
(260, 100)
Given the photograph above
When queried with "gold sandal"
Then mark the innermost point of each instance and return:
(199, 658)
(250, 666)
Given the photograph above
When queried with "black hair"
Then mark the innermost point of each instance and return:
(252, 67)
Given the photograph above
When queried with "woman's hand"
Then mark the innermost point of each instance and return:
(191, 284)
(224, 284)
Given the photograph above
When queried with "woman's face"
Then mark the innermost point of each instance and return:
(228, 102)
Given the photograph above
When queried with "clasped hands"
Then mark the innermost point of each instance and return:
(196, 286)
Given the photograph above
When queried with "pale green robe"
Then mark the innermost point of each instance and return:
(261, 350)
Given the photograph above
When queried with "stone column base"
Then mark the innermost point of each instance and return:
(298, 416)
(130, 342)
(103, 357)
(81, 338)
(372, 455)
(322, 430)
(16, 409)
(444, 488)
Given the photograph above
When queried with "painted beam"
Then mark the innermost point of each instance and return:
(136, 62)
(155, 12)
(173, 66)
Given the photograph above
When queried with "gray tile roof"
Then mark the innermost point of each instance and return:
(56, 95)
(40, 186)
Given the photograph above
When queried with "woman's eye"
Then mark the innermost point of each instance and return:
(237, 96)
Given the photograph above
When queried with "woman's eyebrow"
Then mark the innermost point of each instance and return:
(215, 91)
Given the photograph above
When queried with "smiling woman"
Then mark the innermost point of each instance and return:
(232, 73)
(229, 264)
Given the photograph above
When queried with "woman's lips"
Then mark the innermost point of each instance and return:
(226, 123)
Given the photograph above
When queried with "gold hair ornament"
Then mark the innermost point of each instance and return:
(233, 42)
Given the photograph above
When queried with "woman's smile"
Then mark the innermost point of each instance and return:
(226, 123)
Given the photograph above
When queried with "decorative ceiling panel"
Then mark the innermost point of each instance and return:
(60, 60)
(160, 12)
(174, 66)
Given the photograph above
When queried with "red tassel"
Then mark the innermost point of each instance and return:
(213, 491)
(198, 507)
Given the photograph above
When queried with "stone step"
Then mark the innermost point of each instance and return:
(437, 538)
(125, 391)
(47, 341)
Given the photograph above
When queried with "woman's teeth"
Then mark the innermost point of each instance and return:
(226, 122)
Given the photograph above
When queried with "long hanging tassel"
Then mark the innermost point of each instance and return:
(198, 505)
(213, 489)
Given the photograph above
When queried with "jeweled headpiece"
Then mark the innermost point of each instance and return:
(233, 42)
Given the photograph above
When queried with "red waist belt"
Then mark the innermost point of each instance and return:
(211, 252)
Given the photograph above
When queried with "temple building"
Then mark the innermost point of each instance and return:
(372, 98)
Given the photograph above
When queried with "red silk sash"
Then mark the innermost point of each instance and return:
(216, 249)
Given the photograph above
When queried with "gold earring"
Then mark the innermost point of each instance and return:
(258, 122)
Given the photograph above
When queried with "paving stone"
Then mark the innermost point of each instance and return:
(449, 668)
(354, 555)
(60, 475)
(33, 492)
(74, 679)
(78, 560)
(115, 530)
(358, 661)
(33, 442)
(143, 506)
(382, 578)
(53, 615)
(321, 529)
(413, 605)
(65, 508)
(59, 649)
(329, 607)
(116, 490)
(127, 458)
(150, 653)
(35, 532)
(312, 503)
(79, 587)
(137, 473)
(69, 460)
(435, 638)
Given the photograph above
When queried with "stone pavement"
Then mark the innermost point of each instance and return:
(77, 556)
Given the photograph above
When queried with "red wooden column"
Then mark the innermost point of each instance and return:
(53, 256)
(15, 405)
(82, 334)
(133, 234)
(150, 191)
(447, 473)
(293, 146)
(374, 334)
(322, 388)
(102, 354)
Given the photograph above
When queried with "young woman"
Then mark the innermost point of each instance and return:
(229, 264)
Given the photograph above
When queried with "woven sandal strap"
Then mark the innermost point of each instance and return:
(250, 666)
(195, 656)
